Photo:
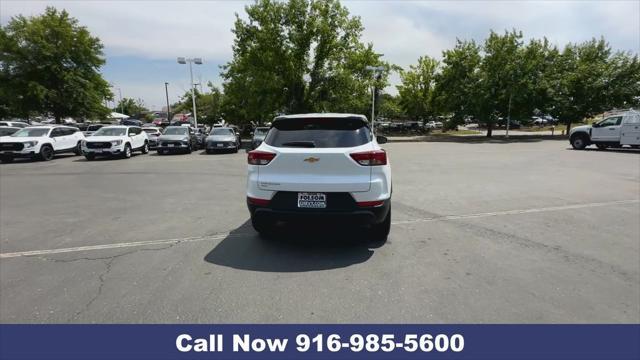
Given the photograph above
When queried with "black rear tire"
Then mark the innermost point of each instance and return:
(380, 232)
(90, 157)
(145, 148)
(78, 150)
(263, 227)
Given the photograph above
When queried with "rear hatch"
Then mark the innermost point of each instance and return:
(313, 154)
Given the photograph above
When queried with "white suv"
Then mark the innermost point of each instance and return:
(320, 165)
(117, 140)
(40, 142)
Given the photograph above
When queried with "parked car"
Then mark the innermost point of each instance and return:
(201, 135)
(115, 140)
(513, 124)
(131, 122)
(258, 136)
(327, 165)
(18, 124)
(221, 139)
(153, 133)
(236, 131)
(613, 131)
(538, 121)
(92, 128)
(41, 142)
(177, 139)
(7, 130)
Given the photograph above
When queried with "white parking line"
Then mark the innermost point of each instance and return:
(218, 236)
(515, 212)
(221, 236)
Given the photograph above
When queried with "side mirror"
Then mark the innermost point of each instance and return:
(381, 139)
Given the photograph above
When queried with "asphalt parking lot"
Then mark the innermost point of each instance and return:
(527, 232)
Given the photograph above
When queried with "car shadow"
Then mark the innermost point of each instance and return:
(31, 160)
(618, 150)
(297, 247)
(107, 158)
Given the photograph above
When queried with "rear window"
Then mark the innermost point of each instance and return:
(318, 133)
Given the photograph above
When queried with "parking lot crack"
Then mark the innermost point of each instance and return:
(102, 278)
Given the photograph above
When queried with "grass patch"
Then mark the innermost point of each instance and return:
(455, 133)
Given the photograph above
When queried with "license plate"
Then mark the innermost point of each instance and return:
(98, 150)
(170, 145)
(220, 145)
(312, 200)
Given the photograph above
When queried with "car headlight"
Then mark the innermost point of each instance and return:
(116, 142)
(29, 144)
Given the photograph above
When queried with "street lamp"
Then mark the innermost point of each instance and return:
(197, 61)
(377, 70)
(166, 92)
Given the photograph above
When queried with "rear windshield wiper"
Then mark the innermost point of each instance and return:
(306, 144)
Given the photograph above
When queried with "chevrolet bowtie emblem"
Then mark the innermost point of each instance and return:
(311, 160)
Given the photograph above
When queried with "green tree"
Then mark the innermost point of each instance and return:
(50, 64)
(587, 79)
(416, 90)
(458, 82)
(131, 107)
(297, 56)
(208, 105)
(389, 106)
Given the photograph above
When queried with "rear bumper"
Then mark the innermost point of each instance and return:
(359, 215)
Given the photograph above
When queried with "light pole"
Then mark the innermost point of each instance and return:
(197, 61)
(121, 104)
(377, 70)
(166, 92)
(509, 116)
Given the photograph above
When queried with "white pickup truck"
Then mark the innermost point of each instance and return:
(613, 131)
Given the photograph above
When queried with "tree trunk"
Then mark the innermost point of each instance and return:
(568, 126)
(489, 129)
(58, 119)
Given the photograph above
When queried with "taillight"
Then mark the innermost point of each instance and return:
(259, 157)
(370, 203)
(370, 158)
(257, 201)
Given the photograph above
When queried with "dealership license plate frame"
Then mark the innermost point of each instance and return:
(312, 200)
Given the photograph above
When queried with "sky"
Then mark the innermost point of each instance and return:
(142, 39)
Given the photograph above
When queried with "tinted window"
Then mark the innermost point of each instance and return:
(31, 132)
(612, 121)
(7, 131)
(319, 133)
(221, 131)
(176, 131)
(110, 131)
(93, 127)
